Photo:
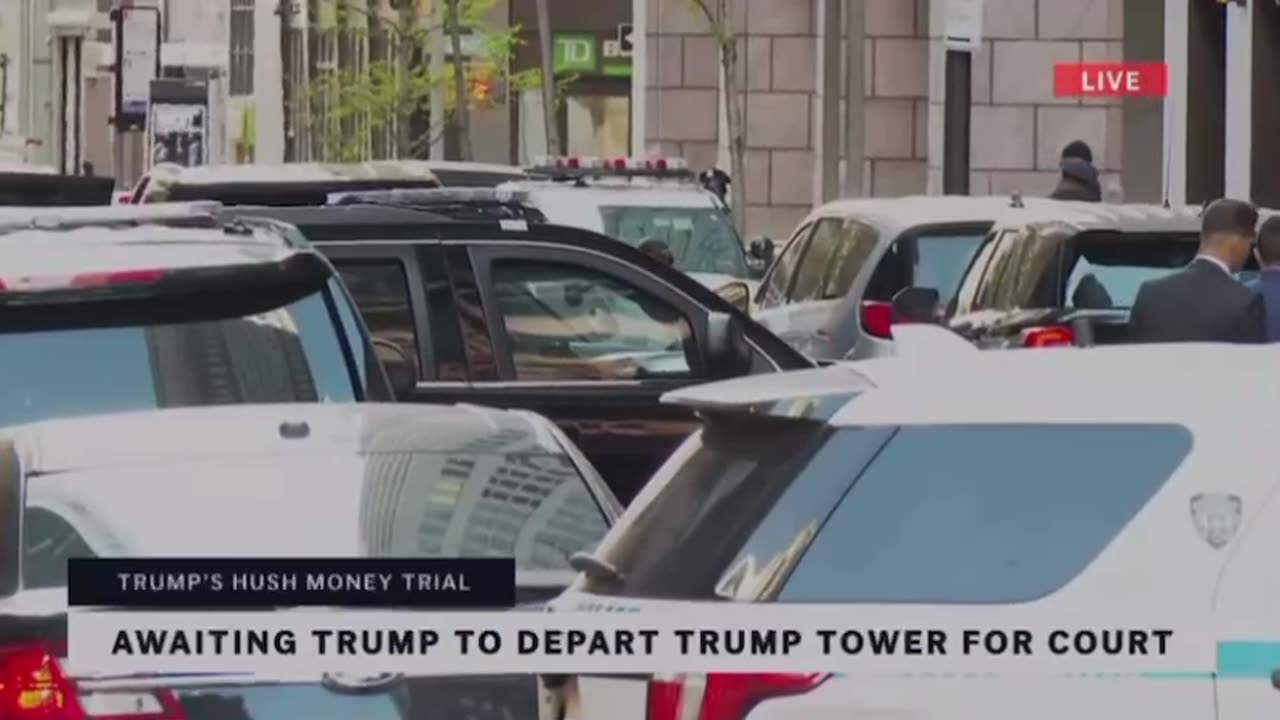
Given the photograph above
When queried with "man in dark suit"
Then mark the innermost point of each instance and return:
(1204, 302)
(1267, 285)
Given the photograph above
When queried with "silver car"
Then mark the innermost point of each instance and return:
(828, 293)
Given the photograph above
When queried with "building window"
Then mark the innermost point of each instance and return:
(242, 47)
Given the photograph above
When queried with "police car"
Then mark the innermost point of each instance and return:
(639, 199)
(1110, 480)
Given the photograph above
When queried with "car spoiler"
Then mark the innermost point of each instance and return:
(201, 214)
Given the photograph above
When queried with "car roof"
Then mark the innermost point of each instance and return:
(295, 172)
(304, 216)
(1101, 384)
(245, 431)
(1103, 217)
(89, 249)
(914, 210)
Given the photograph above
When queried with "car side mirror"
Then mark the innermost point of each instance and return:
(917, 305)
(737, 294)
(762, 249)
(726, 352)
(402, 372)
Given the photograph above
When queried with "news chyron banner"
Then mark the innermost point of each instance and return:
(291, 618)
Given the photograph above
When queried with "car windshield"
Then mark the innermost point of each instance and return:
(293, 352)
(463, 500)
(701, 239)
(739, 488)
(533, 506)
(1109, 270)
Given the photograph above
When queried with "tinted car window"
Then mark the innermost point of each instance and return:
(1107, 271)
(477, 499)
(973, 514)
(571, 323)
(773, 290)
(941, 259)
(1023, 271)
(701, 239)
(381, 292)
(818, 259)
(732, 508)
(293, 353)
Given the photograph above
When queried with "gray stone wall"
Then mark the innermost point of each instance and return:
(1018, 126)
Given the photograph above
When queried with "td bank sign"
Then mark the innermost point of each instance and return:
(581, 53)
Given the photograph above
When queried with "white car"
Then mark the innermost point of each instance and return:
(633, 200)
(1068, 483)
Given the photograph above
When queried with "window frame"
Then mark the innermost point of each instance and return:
(376, 252)
(485, 254)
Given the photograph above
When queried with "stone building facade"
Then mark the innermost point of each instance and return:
(1018, 126)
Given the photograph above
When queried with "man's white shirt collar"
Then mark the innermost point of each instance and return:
(1216, 261)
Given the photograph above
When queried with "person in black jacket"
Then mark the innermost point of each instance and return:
(1204, 302)
(1079, 181)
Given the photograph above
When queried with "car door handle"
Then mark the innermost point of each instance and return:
(1275, 678)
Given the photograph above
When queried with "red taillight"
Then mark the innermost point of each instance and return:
(1050, 336)
(125, 277)
(722, 696)
(877, 319)
(34, 687)
(659, 164)
(124, 198)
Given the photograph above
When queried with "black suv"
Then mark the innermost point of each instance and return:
(567, 322)
(109, 310)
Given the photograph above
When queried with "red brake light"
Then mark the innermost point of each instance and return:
(723, 696)
(33, 686)
(1049, 336)
(659, 164)
(877, 319)
(126, 277)
(124, 198)
(572, 163)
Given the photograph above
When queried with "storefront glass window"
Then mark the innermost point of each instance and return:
(599, 125)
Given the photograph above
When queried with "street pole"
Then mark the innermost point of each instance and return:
(285, 11)
(830, 100)
(955, 141)
(548, 78)
(435, 65)
(855, 32)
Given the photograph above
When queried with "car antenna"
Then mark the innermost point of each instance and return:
(1168, 154)
(1015, 200)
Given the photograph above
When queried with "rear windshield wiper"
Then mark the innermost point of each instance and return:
(595, 568)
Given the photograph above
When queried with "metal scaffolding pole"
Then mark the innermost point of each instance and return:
(855, 32)
(830, 100)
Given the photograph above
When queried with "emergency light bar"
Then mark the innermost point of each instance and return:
(577, 166)
(428, 196)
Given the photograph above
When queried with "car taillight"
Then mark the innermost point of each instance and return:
(37, 283)
(1050, 336)
(877, 319)
(34, 687)
(124, 198)
(722, 696)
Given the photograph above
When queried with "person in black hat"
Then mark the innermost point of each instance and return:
(1079, 150)
(1079, 179)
